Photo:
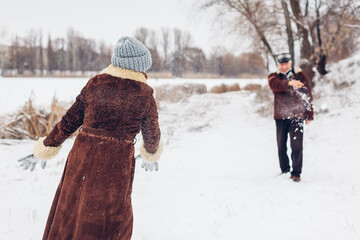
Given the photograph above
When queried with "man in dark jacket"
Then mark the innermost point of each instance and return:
(292, 108)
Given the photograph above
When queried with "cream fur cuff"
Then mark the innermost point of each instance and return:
(43, 152)
(151, 157)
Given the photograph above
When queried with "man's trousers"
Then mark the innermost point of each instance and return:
(294, 128)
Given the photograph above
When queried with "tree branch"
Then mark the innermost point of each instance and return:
(288, 30)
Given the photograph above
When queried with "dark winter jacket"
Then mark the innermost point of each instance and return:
(93, 200)
(291, 102)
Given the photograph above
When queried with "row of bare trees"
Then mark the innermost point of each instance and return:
(172, 51)
(316, 31)
(73, 53)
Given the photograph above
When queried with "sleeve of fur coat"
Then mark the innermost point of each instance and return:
(309, 111)
(150, 129)
(69, 123)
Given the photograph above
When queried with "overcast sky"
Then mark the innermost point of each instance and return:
(108, 20)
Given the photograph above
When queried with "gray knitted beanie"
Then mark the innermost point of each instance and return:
(130, 53)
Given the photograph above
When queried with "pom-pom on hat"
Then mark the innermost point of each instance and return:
(130, 53)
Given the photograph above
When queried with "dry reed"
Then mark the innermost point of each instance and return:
(176, 93)
(31, 122)
(223, 88)
(252, 87)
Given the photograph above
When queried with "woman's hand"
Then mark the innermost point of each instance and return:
(148, 165)
(30, 161)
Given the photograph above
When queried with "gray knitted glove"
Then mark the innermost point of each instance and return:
(30, 161)
(148, 165)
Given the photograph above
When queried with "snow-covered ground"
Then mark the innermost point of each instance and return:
(218, 175)
(16, 91)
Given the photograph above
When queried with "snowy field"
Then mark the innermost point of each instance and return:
(218, 175)
(15, 92)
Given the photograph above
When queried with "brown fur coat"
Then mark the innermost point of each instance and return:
(93, 200)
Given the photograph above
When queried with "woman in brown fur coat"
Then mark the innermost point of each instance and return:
(93, 200)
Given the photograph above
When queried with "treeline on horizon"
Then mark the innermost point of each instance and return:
(172, 53)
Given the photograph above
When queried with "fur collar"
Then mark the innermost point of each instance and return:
(124, 73)
(296, 69)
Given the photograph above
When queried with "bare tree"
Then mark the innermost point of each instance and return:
(41, 54)
(13, 53)
(165, 34)
(355, 9)
(51, 57)
(3, 51)
(86, 53)
(30, 50)
(306, 56)
(195, 59)
(142, 34)
(216, 62)
(182, 40)
(153, 40)
(250, 63)
(59, 48)
(104, 56)
(338, 36)
(72, 46)
(177, 39)
(310, 23)
(156, 61)
(253, 14)
(289, 31)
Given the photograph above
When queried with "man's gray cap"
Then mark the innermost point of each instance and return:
(283, 57)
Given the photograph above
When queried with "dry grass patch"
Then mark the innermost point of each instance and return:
(31, 122)
(175, 93)
(223, 88)
(252, 87)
